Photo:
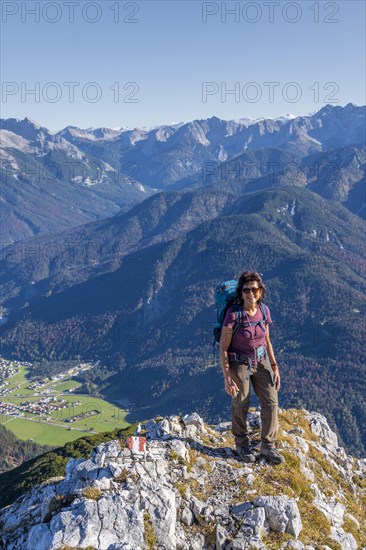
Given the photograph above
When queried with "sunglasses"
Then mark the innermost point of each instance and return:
(248, 290)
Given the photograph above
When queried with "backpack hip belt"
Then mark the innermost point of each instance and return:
(236, 356)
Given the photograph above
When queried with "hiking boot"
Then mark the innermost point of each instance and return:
(245, 454)
(273, 455)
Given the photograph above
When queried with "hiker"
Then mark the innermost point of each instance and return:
(248, 355)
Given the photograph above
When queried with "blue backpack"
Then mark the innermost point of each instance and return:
(225, 297)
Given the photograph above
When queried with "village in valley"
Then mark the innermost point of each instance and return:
(47, 410)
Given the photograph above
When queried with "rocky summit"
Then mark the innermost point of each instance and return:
(178, 484)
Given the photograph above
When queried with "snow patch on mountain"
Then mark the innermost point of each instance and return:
(9, 139)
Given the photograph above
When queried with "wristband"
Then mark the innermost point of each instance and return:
(273, 364)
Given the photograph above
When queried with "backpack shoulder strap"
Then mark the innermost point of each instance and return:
(239, 314)
(264, 311)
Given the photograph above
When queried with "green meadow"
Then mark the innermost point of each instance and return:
(96, 414)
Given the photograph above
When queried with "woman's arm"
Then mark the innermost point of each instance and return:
(272, 360)
(225, 340)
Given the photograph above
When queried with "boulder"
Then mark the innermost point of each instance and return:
(282, 513)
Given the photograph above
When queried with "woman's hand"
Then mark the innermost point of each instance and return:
(276, 377)
(230, 387)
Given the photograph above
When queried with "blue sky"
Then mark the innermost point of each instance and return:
(178, 60)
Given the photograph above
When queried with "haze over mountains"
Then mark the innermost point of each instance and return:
(52, 181)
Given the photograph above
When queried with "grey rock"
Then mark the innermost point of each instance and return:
(153, 430)
(320, 427)
(254, 419)
(194, 419)
(246, 531)
(104, 484)
(256, 544)
(238, 543)
(250, 479)
(163, 514)
(244, 471)
(330, 507)
(346, 540)
(282, 513)
(222, 511)
(221, 537)
(309, 474)
(105, 452)
(138, 430)
(360, 465)
(71, 468)
(115, 468)
(300, 442)
(180, 448)
(182, 544)
(88, 470)
(197, 507)
(223, 463)
(99, 458)
(239, 510)
(150, 468)
(79, 525)
(40, 536)
(161, 468)
(198, 543)
(256, 519)
(293, 545)
(191, 431)
(223, 427)
(150, 425)
(111, 449)
(164, 425)
(297, 431)
(186, 516)
(115, 520)
(209, 513)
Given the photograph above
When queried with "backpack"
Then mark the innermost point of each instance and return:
(225, 297)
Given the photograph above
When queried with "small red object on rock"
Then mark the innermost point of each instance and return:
(136, 444)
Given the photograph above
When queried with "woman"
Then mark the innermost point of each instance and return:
(249, 354)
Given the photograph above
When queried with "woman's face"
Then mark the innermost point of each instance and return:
(251, 294)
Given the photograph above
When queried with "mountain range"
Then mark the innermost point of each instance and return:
(114, 240)
(55, 180)
(136, 291)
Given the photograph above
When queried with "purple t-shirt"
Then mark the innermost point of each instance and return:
(246, 339)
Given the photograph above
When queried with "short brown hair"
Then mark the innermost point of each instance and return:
(248, 277)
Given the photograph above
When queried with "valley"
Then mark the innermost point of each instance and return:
(50, 411)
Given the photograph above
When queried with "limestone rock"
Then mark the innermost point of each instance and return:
(186, 516)
(186, 484)
(194, 420)
(221, 537)
(346, 540)
(330, 507)
(320, 427)
(282, 514)
(256, 520)
(223, 427)
(240, 509)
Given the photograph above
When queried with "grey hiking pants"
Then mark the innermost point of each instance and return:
(262, 382)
